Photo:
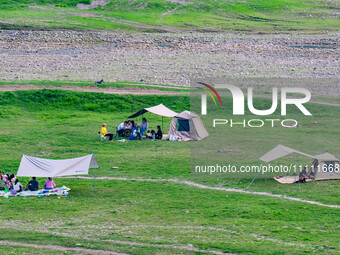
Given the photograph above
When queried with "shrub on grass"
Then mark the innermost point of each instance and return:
(91, 107)
(45, 100)
(85, 1)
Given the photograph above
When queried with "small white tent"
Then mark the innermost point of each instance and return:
(40, 167)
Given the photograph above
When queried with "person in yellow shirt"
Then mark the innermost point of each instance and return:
(105, 133)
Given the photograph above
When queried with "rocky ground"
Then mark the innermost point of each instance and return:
(168, 58)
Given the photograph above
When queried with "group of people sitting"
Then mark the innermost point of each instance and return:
(131, 126)
(12, 183)
(155, 135)
(131, 129)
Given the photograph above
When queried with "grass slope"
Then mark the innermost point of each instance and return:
(208, 15)
(63, 124)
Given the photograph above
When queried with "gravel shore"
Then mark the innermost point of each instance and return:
(168, 58)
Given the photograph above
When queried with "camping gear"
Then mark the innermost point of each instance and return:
(187, 126)
(41, 167)
(289, 179)
(325, 166)
(160, 110)
(62, 191)
(280, 151)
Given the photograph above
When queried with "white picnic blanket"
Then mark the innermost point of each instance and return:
(289, 179)
(62, 191)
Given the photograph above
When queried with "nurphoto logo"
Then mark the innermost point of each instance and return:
(239, 104)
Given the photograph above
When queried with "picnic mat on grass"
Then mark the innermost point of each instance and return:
(289, 179)
(63, 191)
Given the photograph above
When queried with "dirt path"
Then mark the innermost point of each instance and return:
(188, 247)
(91, 251)
(61, 248)
(169, 12)
(201, 186)
(109, 90)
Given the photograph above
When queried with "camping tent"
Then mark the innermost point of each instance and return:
(40, 167)
(325, 166)
(160, 110)
(187, 126)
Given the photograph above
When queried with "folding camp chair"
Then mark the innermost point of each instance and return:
(102, 137)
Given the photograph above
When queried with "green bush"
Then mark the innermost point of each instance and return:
(91, 107)
(85, 1)
(45, 100)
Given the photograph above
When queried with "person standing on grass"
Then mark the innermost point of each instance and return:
(143, 126)
(105, 133)
(32, 185)
(49, 184)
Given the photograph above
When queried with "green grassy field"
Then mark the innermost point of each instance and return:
(154, 15)
(153, 217)
(168, 214)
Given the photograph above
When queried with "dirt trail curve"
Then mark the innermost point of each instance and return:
(109, 90)
(133, 91)
(91, 251)
(61, 248)
(201, 186)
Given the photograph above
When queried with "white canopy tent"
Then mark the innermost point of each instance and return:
(326, 157)
(160, 110)
(280, 151)
(41, 167)
(322, 168)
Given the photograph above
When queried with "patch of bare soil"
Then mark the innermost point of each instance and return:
(90, 251)
(94, 4)
(170, 58)
(182, 2)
